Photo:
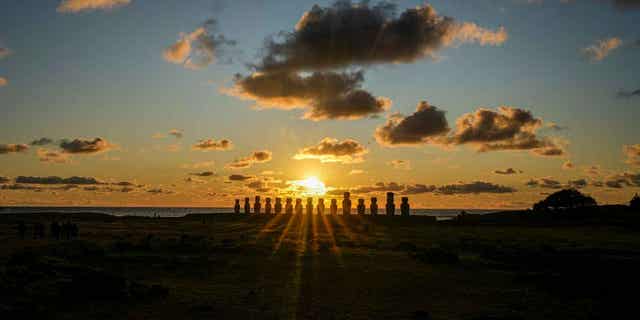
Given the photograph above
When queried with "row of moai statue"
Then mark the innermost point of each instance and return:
(290, 208)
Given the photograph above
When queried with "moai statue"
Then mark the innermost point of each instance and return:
(309, 206)
(257, 206)
(374, 206)
(361, 208)
(278, 206)
(298, 206)
(288, 208)
(346, 204)
(320, 207)
(247, 206)
(236, 207)
(267, 206)
(391, 206)
(405, 209)
(333, 208)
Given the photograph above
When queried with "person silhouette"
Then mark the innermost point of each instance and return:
(320, 206)
(257, 206)
(55, 230)
(236, 207)
(247, 206)
(22, 229)
(298, 206)
(333, 208)
(374, 206)
(278, 206)
(346, 204)
(391, 206)
(361, 208)
(267, 206)
(309, 206)
(288, 208)
(405, 209)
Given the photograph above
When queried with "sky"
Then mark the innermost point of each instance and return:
(456, 104)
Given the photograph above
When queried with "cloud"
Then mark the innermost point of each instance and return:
(53, 156)
(258, 186)
(4, 52)
(379, 187)
(507, 171)
(475, 187)
(601, 49)
(347, 34)
(4, 179)
(212, 144)
(578, 183)
(632, 153)
(400, 164)
(204, 174)
(356, 172)
(547, 182)
(246, 162)
(423, 126)
(324, 95)
(628, 94)
(176, 133)
(419, 189)
(41, 142)
(568, 165)
(622, 180)
(57, 180)
(74, 6)
(333, 150)
(239, 177)
(199, 48)
(85, 146)
(13, 148)
(157, 191)
(3, 82)
(626, 4)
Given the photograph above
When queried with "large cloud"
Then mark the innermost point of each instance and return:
(601, 49)
(475, 187)
(325, 95)
(213, 144)
(246, 162)
(86, 146)
(632, 152)
(333, 150)
(420, 127)
(347, 34)
(13, 148)
(57, 180)
(239, 177)
(199, 48)
(74, 6)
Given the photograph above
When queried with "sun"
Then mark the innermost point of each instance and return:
(311, 186)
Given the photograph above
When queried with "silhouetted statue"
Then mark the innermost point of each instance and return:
(309, 206)
(267, 206)
(391, 206)
(73, 231)
(257, 206)
(288, 208)
(635, 202)
(405, 209)
(22, 229)
(247, 206)
(55, 230)
(66, 230)
(361, 208)
(346, 204)
(278, 206)
(374, 206)
(333, 208)
(320, 207)
(236, 207)
(298, 206)
(38, 231)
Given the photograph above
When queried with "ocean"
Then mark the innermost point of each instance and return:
(440, 214)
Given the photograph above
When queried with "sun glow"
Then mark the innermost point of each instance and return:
(311, 186)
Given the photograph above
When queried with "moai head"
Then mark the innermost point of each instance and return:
(267, 200)
(405, 200)
(289, 200)
(246, 200)
(334, 202)
(347, 195)
(298, 201)
(374, 200)
(309, 201)
(237, 202)
(278, 200)
(321, 201)
(389, 196)
(361, 202)
(257, 198)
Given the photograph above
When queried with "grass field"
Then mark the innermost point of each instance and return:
(228, 266)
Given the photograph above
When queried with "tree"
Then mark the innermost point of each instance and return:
(635, 202)
(565, 199)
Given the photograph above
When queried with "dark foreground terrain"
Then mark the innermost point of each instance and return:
(310, 267)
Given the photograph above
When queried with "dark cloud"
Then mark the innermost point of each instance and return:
(427, 123)
(199, 48)
(258, 186)
(212, 144)
(4, 180)
(178, 134)
(53, 156)
(548, 183)
(578, 183)
(246, 162)
(632, 153)
(508, 171)
(347, 34)
(239, 177)
(419, 189)
(20, 187)
(204, 174)
(333, 150)
(475, 187)
(325, 95)
(380, 187)
(85, 146)
(629, 94)
(622, 180)
(156, 191)
(41, 142)
(13, 148)
(57, 180)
